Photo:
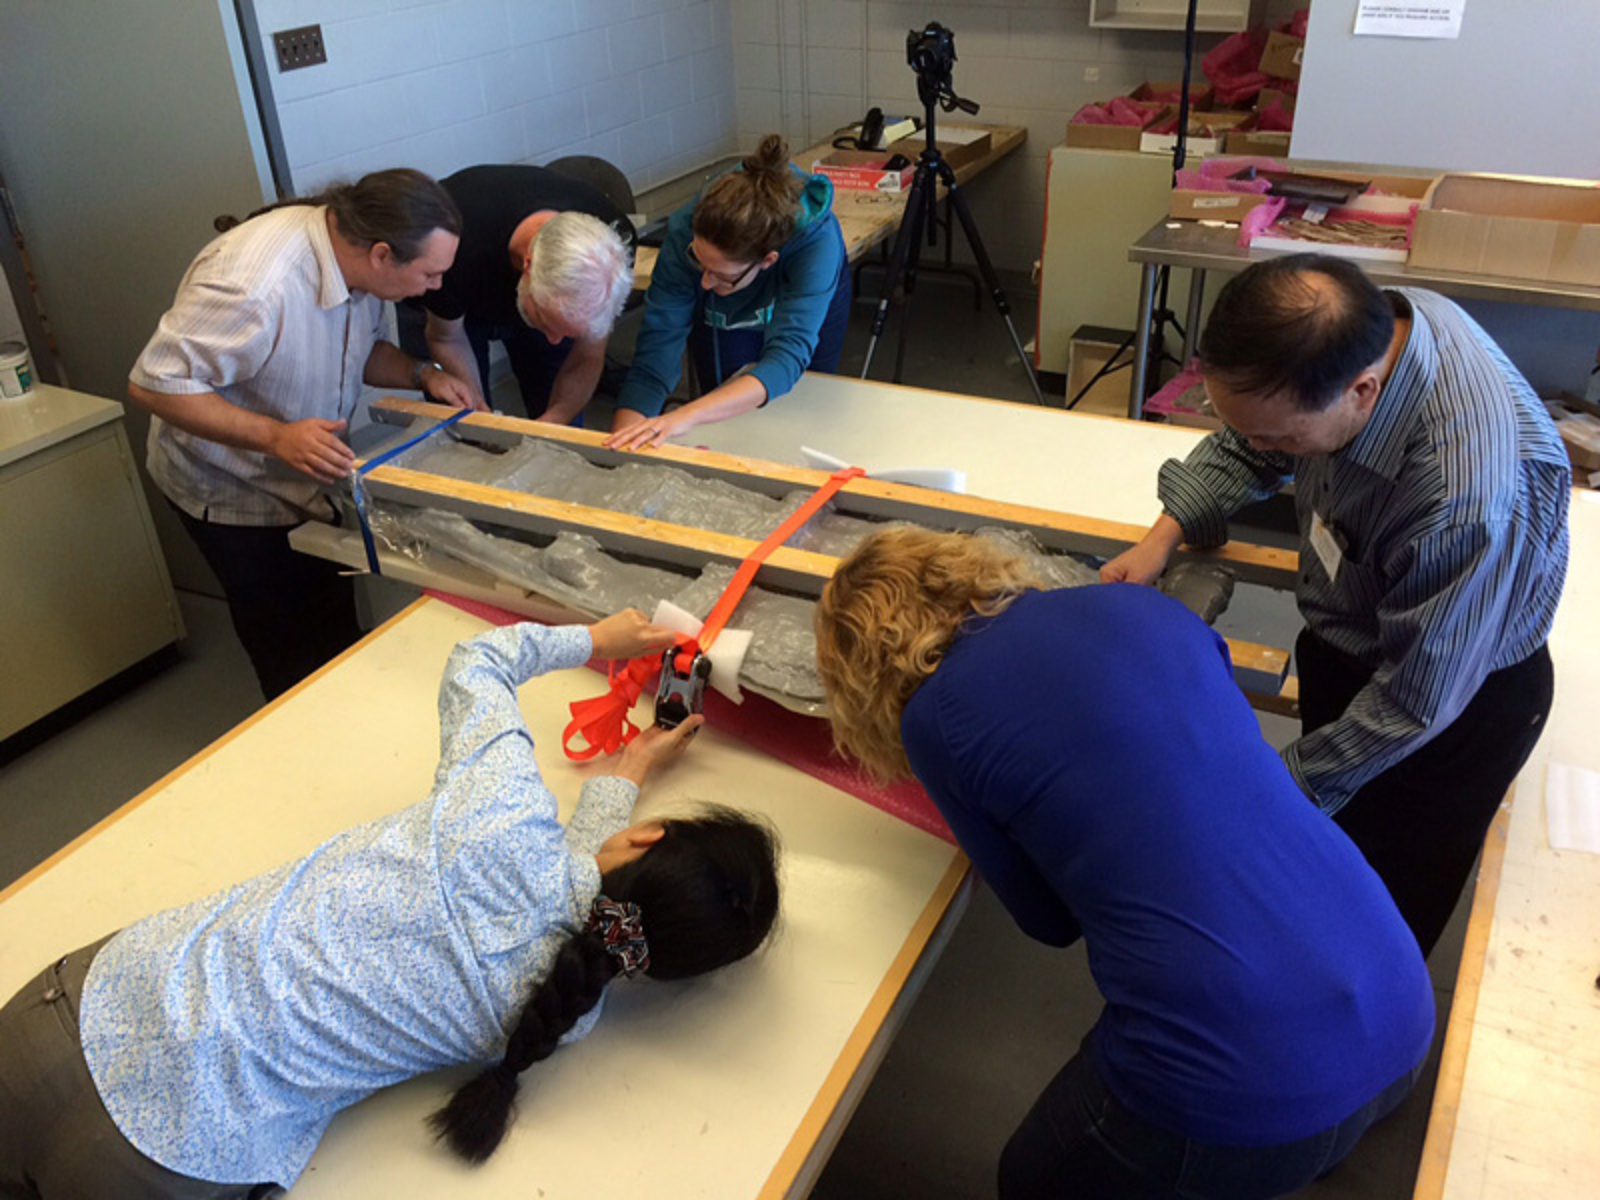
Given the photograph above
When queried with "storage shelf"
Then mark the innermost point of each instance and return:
(1212, 16)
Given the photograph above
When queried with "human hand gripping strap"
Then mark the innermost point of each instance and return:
(358, 490)
(621, 928)
(603, 721)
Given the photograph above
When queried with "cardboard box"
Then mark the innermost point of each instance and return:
(1091, 348)
(958, 144)
(1513, 226)
(1580, 433)
(1103, 137)
(1256, 143)
(1190, 205)
(1207, 129)
(1201, 97)
(862, 170)
(1281, 56)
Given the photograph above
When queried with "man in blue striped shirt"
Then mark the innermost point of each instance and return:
(1431, 491)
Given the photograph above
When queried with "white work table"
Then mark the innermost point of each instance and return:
(735, 1085)
(1093, 466)
(1517, 1108)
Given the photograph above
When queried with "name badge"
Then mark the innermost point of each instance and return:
(1328, 545)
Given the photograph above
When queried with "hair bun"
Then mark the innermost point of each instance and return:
(771, 155)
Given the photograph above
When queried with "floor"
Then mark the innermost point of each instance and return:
(999, 1015)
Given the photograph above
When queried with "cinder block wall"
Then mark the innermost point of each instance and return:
(807, 67)
(645, 84)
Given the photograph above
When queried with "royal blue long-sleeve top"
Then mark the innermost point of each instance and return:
(1092, 754)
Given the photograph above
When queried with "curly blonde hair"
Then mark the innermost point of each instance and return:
(886, 619)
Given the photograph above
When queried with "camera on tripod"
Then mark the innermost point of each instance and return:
(931, 53)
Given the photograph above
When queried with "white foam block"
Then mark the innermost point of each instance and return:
(726, 653)
(1572, 808)
(940, 479)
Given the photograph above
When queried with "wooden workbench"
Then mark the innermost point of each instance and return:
(866, 218)
(1516, 1112)
(735, 1085)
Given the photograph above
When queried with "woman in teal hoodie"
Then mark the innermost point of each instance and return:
(753, 274)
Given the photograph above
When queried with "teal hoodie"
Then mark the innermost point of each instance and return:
(790, 298)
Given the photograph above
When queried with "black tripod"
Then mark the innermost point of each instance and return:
(922, 214)
(1161, 314)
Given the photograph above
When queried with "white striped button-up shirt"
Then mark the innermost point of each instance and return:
(1451, 507)
(264, 319)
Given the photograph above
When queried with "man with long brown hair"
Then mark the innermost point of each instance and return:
(253, 376)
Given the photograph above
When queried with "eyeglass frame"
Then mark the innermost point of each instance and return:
(694, 259)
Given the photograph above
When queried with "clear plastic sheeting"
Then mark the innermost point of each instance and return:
(576, 570)
(783, 652)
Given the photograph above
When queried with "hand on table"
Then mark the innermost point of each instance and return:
(444, 387)
(651, 431)
(1144, 561)
(313, 447)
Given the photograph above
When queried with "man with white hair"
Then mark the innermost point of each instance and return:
(544, 268)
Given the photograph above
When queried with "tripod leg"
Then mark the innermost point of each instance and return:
(925, 217)
(958, 202)
(904, 240)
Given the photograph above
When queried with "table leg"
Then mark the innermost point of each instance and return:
(1141, 341)
(1191, 326)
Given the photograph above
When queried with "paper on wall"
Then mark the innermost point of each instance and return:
(1572, 808)
(1410, 18)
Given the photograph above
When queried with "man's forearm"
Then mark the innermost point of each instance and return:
(453, 352)
(208, 415)
(389, 366)
(574, 384)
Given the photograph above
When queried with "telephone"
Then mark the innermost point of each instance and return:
(868, 138)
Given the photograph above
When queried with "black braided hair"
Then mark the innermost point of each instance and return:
(475, 1119)
(708, 896)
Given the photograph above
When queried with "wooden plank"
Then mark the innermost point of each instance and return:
(1264, 565)
(1256, 668)
(1463, 1012)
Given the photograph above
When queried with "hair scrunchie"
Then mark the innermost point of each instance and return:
(621, 927)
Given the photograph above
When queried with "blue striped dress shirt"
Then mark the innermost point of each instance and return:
(1451, 508)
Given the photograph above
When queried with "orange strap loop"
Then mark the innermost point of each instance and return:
(603, 721)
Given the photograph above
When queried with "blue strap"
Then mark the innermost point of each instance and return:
(359, 492)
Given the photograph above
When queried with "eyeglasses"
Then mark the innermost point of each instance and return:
(725, 280)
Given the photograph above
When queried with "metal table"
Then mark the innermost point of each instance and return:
(1203, 248)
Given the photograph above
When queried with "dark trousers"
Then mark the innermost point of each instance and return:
(719, 353)
(1421, 823)
(57, 1141)
(1078, 1141)
(293, 612)
(534, 361)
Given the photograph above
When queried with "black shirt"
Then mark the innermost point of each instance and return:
(482, 283)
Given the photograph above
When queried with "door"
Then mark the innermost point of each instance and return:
(125, 128)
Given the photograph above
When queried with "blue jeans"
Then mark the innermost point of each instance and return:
(1078, 1141)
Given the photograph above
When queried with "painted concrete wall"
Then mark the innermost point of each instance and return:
(807, 67)
(444, 84)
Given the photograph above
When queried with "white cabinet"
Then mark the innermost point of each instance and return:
(1211, 16)
(84, 591)
(1097, 204)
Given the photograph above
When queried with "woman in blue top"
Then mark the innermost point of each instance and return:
(753, 274)
(202, 1051)
(1264, 1001)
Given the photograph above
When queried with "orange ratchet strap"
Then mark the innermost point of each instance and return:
(603, 721)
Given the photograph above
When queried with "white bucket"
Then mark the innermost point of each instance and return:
(16, 374)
